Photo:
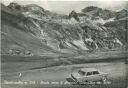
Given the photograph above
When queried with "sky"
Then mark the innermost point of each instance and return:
(66, 7)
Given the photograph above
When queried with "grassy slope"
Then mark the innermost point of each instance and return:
(36, 62)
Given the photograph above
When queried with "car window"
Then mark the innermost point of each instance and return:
(89, 73)
(95, 72)
(81, 72)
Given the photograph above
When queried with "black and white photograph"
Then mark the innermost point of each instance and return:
(64, 44)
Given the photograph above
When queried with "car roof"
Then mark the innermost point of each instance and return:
(88, 69)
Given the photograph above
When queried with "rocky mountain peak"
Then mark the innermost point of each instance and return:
(98, 12)
(33, 7)
(121, 14)
(15, 6)
(90, 8)
(74, 15)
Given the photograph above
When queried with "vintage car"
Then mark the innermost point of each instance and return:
(85, 75)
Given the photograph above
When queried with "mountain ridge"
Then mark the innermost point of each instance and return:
(41, 32)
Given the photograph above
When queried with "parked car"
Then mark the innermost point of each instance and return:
(88, 75)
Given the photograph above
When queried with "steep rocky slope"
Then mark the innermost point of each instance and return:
(39, 31)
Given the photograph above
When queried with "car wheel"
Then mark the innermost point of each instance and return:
(104, 79)
(77, 82)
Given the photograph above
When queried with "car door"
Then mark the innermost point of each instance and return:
(96, 76)
(82, 76)
(89, 76)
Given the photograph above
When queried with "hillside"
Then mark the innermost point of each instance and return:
(32, 30)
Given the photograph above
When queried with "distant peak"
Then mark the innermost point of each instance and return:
(90, 8)
(14, 5)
